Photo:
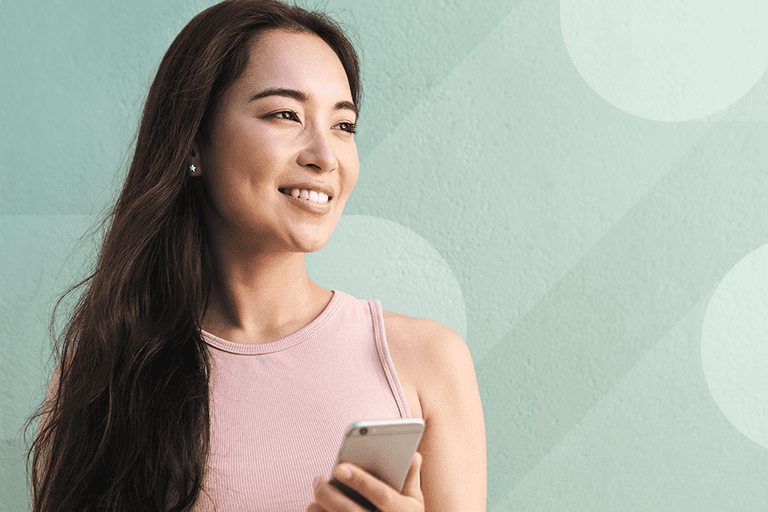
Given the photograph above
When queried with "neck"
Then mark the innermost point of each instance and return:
(258, 298)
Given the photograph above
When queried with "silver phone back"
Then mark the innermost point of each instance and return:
(383, 448)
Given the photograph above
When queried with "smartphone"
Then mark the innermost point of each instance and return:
(384, 448)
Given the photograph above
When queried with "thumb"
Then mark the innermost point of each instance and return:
(412, 486)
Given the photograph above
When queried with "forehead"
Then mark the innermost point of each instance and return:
(295, 60)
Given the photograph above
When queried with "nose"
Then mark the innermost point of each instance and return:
(318, 151)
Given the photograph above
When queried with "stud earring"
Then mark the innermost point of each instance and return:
(192, 168)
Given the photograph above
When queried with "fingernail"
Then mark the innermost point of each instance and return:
(342, 472)
(316, 481)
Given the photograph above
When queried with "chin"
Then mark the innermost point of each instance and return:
(310, 245)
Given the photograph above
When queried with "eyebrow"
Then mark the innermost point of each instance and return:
(299, 96)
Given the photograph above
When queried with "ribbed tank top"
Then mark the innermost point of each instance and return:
(279, 410)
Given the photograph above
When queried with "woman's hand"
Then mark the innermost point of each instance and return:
(386, 499)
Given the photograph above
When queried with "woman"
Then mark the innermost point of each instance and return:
(202, 368)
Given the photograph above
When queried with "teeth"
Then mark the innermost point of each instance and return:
(309, 195)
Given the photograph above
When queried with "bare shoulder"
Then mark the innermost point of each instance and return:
(420, 338)
(438, 376)
(426, 353)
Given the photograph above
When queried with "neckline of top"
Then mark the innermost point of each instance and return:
(283, 343)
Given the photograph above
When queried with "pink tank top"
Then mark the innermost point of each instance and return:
(279, 410)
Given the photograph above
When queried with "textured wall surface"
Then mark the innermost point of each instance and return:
(577, 187)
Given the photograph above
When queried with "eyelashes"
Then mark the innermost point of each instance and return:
(292, 116)
(349, 127)
(286, 114)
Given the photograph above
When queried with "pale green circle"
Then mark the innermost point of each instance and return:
(667, 60)
(374, 258)
(734, 346)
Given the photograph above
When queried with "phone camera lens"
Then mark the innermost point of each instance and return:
(363, 431)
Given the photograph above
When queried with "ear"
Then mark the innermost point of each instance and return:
(194, 167)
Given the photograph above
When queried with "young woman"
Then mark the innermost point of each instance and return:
(202, 369)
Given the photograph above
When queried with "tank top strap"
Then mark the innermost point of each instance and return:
(386, 361)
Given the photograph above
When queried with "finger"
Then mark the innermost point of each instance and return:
(374, 490)
(329, 497)
(412, 486)
(314, 506)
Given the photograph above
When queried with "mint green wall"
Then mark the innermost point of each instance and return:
(577, 187)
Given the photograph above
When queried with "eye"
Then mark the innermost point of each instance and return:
(347, 127)
(286, 114)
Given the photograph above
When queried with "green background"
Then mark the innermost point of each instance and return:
(574, 243)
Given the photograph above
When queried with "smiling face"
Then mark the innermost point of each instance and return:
(285, 124)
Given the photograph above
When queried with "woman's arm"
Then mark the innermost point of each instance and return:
(453, 473)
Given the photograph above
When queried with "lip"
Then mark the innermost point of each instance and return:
(311, 207)
(317, 187)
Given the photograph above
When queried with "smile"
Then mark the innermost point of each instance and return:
(307, 204)
(306, 195)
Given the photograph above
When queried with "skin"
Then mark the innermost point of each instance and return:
(261, 291)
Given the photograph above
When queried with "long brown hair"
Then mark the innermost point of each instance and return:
(127, 426)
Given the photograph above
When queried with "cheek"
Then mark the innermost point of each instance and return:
(353, 179)
(352, 164)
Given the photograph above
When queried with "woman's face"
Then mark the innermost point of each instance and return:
(285, 124)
